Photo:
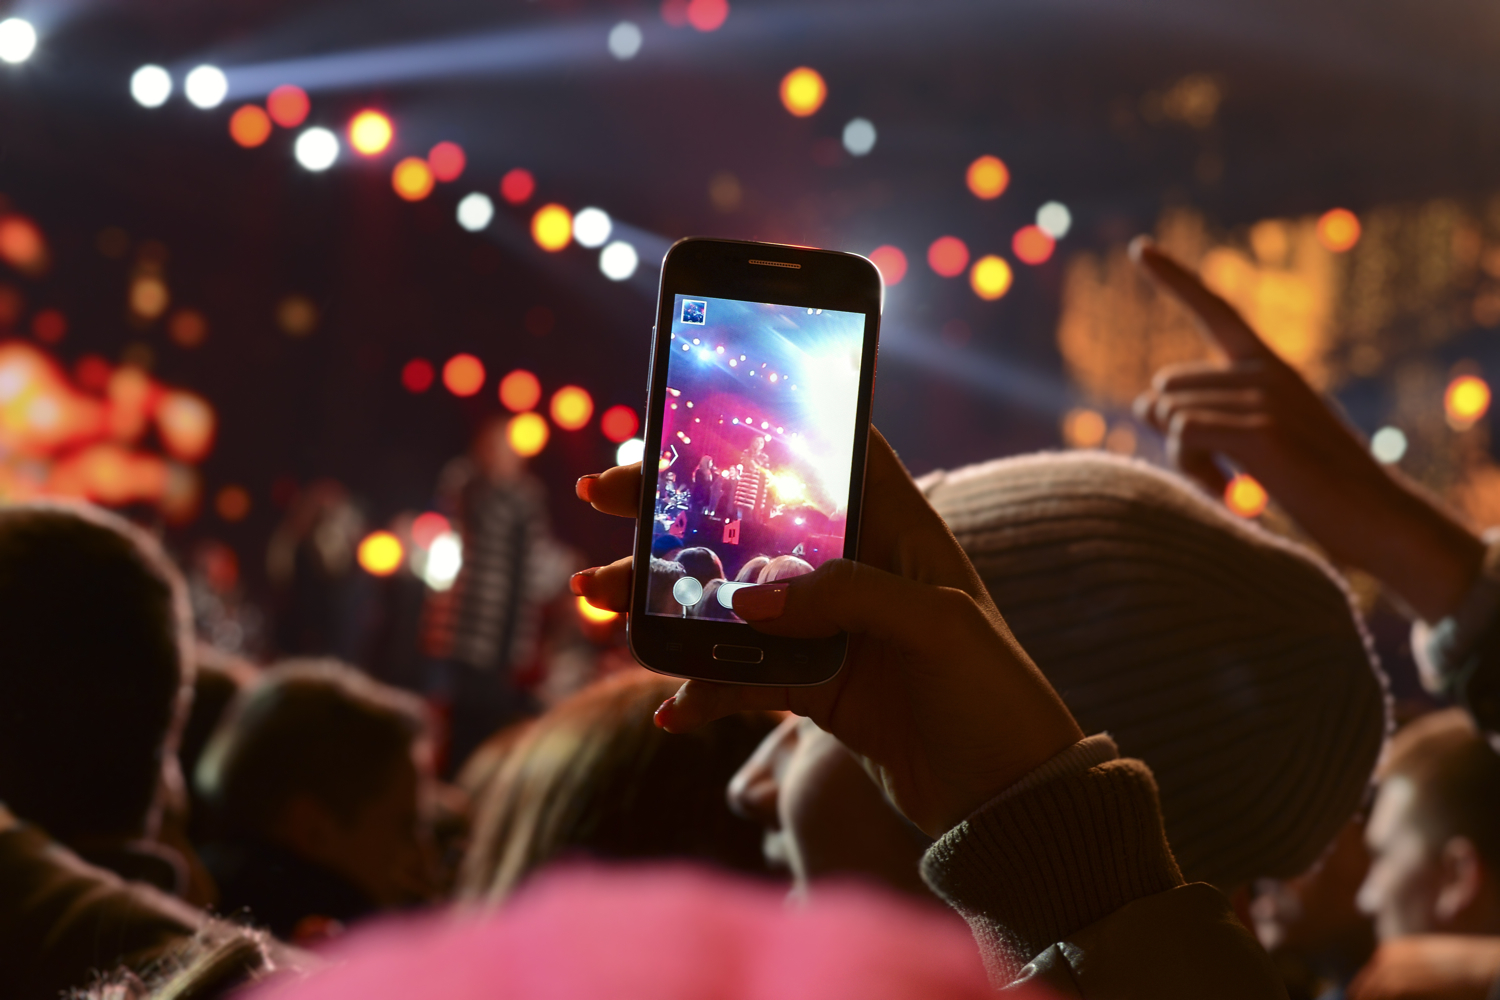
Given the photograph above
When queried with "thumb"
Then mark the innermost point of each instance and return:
(1218, 319)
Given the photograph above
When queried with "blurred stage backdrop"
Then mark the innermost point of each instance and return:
(266, 265)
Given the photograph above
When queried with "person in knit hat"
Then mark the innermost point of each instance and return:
(1229, 660)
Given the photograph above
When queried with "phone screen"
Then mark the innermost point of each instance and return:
(758, 431)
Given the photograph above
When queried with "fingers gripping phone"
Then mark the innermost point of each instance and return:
(757, 423)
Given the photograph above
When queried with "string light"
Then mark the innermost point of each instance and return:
(517, 186)
(463, 375)
(520, 391)
(206, 87)
(948, 256)
(619, 261)
(988, 177)
(619, 424)
(250, 126)
(552, 227)
(527, 433)
(412, 178)
(417, 375)
(591, 227)
(371, 133)
(475, 212)
(151, 85)
(1032, 245)
(288, 105)
(572, 407)
(316, 149)
(447, 161)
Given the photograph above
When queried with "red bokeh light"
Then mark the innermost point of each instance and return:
(517, 186)
(417, 375)
(675, 12)
(425, 528)
(619, 423)
(288, 106)
(463, 374)
(250, 126)
(707, 15)
(447, 161)
(948, 256)
(1032, 245)
(520, 391)
(92, 372)
(49, 326)
(891, 262)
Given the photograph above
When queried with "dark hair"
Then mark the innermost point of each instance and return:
(1456, 775)
(309, 727)
(701, 564)
(595, 776)
(95, 679)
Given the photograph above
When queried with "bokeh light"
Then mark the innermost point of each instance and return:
(552, 227)
(206, 87)
(990, 277)
(417, 375)
(630, 452)
(187, 328)
(445, 557)
(520, 391)
(49, 326)
(475, 211)
(988, 177)
(1466, 401)
(1245, 496)
(297, 315)
(22, 245)
(803, 91)
(232, 503)
(619, 424)
(149, 296)
(948, 256)
(250, 126)
(707, 15)
(463, 374)
(527, 433)
(891, 263)
(17, 40)
(288, 105)
(591, 227)
(426, 527)
(412, 178)
(625, 40)
(371, 133)
(1083, 428)
(1054, 219)
(150, 86)
(618, 261)
(859, 136)
(1032, 245)
(1388, 445)
(598, 616)
(447, 161)
(517, 186)
(1338, 229)
(186, 424)
(316, 149)
(572, 407)
(380, 553)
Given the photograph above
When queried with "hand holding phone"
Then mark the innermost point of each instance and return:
(936, 694)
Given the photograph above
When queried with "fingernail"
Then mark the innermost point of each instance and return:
(755, 604)
(663, 712)
(585, 487)
(575, 582)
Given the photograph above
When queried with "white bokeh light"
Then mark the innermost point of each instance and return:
(859, 136)
(316, 149)
(17, 40)
(619, 260)
(445, 557)
(206, 87)
(151, 85)
(630, 452)
(1388, 445)
(475, 211)
(591, 227)
(625, 40)
(1054, 219)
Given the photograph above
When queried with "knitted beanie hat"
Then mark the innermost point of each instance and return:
(1229, 660)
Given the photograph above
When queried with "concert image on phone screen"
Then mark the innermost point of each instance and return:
(757, 452)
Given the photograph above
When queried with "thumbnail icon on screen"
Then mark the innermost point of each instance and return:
(694, 311)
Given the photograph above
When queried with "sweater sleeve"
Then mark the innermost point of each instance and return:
(1459, 656)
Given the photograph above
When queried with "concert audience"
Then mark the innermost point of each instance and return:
(750, 572)
(664, 575)
(783, 568)
(593, 778)
(315, 782)
(701, 564)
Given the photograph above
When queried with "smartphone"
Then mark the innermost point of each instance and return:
(757, 424)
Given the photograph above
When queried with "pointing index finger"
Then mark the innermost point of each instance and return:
(1220, 320)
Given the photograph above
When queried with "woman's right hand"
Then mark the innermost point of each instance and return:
(936, 694)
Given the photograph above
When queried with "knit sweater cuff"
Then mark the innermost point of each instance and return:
(1442, 647)
(1046, 860)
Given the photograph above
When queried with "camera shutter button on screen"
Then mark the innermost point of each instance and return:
(687, 591)
(726, 593)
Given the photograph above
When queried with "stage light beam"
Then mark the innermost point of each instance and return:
(150, 86)
(316, 149)
(206, 87)
(475, 212)
(17, 40)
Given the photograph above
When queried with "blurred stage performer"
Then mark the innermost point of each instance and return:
(479, 632)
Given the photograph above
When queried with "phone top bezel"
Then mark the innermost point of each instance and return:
(827, 279)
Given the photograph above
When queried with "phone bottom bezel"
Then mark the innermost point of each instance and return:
(683, 647)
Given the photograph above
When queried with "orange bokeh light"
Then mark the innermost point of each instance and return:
(991, 277)
(447, 161)
(1467, 399)
(891, 262)
(22, 245)
(520, 391)
(371, 133)
(988, 177)
(619, 424)
(250, 126)
(517, 186)
(1338, 229)
(186, 425)
(527, 433)
(463, 374)
(589, 613)
(1245, 496)
(572, 408)
(288, 105)
(803, 91)
(412, 178)
(1032, 245)
(380, 553)
(948, 256)
(233, 503)
(552, 227)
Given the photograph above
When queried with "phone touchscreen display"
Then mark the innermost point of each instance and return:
(757, 448)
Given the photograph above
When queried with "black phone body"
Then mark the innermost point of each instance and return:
(757, 426)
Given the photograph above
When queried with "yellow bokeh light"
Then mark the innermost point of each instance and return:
(803, 91)
(381, 553)
(1338, 229)
(412, 178)
(1083, 428)
(1246, 497)
(589, 613)
(990, 277)
(527, 433)
(572, 407)
(1467, 399)
(371, 133)
(988, 177)
(552, 227)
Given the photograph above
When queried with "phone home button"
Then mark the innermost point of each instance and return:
(739, 654)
